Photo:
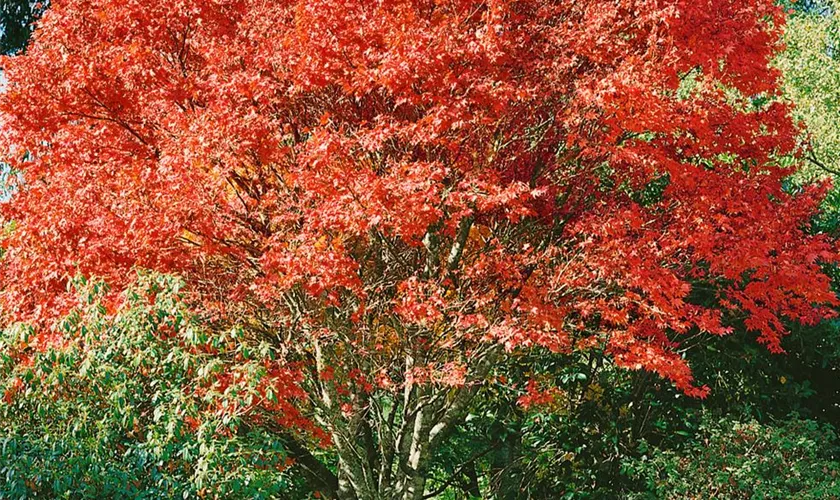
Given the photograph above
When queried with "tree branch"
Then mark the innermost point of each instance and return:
(812, 157)
(457, 250)
(446, 484)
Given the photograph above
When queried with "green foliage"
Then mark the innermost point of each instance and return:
(17, 18)
(810, 66)
(112, 415)
(730, 459)
(596, 437)
(571, 447)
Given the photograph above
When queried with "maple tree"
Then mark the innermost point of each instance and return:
(384, 200)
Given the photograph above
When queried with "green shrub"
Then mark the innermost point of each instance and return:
(729, 459)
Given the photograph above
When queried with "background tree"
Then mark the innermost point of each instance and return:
(17, 18)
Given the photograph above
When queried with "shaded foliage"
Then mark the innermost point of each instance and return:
(730, 459)
(17, 18)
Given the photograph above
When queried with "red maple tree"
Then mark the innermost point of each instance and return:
(401, 193)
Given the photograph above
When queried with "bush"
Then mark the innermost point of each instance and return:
(730, 459)
(110, 413)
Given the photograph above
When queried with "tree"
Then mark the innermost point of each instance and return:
(810, 68)
(377, 204)
(17, 19)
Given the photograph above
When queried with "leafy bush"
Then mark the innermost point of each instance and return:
(730, 459)
(109, 414)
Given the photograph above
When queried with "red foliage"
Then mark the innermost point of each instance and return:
(344, 149)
